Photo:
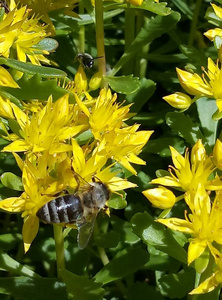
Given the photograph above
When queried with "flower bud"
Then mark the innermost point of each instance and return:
(80, 80)
(178, 100)
(217, 154)
(95, 81)
(160, 197)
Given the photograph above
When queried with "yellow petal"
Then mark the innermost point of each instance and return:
(13, 204)
(17, 146)
(177, 224)
(166, 180)
(205, 287)
(82, 105)
(6, 79)
(29, 230)
(195, 249)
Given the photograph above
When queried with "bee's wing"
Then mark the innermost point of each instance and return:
(84, 232)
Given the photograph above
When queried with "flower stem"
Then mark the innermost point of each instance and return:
(129, 36)
(81, 30)
(194, 22)
(100, 36)
(59, 245)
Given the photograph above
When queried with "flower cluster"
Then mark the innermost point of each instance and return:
(209, 84)
(20, 35)
(196, 177)
(48, 137)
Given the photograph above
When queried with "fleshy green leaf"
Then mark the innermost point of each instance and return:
(27, 288)
(155, 28)
(123, 84)
(150, 5)
(206, 108)
(36, 88)
(142, 291)
(12, 181)
(153, 233)
(140, 97)
(82, 287)
(32, 69)
(9, 264)
(124, 263)
(184, 127)
(9, 240)
(177, 285)
(47, 44)
(117, 201)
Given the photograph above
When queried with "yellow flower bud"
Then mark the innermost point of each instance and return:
(198, 153)
(80, 80)
(95, 81)
(135, 2)
(178, 100)
(217, 154)
(160, 197)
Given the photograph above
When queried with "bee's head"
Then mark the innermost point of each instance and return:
(101, 193)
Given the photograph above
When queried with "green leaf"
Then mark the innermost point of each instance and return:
(153, 233)
(82, 287)
(9, 240)
(142, 291)
(47, 44)
(15, 127)
(140, 97)
(217, 42)
(177, 285)
(160, 146)
(206, 108)
(107, 240)
(194, 55)
(12, 181)
(184, 8)
(125, 262)
(36, 88)
(123, 84)
(184, 127)
(150, 5)
(155, 28)
(117, 201)
(213, 18)
(32, 69)
(27, 288)
(9, 264)
(124, 229)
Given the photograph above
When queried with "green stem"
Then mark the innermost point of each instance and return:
(194, 22)
(129, 36)
(81, 30)
(59, 245)
(100, 36)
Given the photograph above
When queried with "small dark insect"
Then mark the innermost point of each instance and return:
(80, 209)
(4, 4)
(86, 60)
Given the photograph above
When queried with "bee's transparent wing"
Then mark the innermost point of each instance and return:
(84, 232)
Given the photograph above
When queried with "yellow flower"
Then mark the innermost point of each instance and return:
(188, 173)
(105, 114)
(94, 166)
(124, 145)
(36, 182)
(212, 33)
(20, 34)
(178, 100)
(45, 130)
(160, 197)
(195, 85)
(43, 7)
(203, 224)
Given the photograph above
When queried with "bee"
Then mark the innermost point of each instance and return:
(86, 60)
(4, 4)
(80, 209)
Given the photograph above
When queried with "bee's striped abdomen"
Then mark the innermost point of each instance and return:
(64, 209)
